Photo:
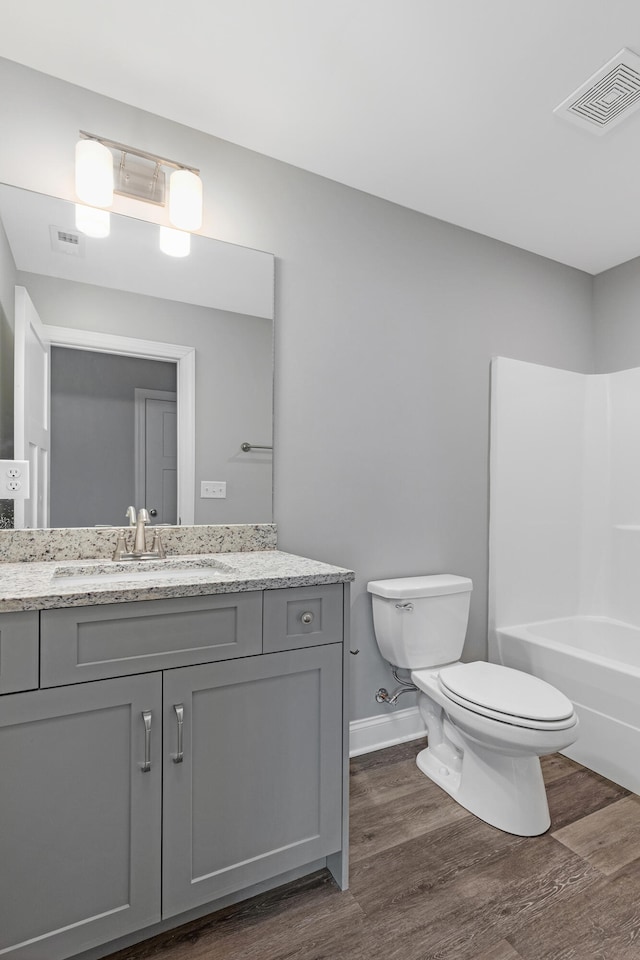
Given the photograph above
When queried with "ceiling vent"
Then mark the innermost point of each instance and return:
(65, 241)
(608, 97)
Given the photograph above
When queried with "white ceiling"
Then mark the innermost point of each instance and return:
(443, 106)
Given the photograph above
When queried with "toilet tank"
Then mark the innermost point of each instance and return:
(421, 622)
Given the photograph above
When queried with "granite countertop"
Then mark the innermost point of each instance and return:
(72, 583)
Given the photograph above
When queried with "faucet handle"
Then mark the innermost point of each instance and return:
(157, 545)
(121, 549)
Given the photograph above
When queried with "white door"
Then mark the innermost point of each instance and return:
(156, 454)
(32, 410)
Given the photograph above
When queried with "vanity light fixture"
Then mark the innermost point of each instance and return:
(105, 167)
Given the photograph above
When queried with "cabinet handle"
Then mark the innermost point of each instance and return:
(146, 717)
(307, 617)
(179, 709)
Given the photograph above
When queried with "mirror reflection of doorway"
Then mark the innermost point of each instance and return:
(156, 452)
(95, 450)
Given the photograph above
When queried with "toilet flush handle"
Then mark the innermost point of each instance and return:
(407, 607)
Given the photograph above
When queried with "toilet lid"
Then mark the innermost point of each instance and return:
(498, 690)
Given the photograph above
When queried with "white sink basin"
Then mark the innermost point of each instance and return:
(133, 571)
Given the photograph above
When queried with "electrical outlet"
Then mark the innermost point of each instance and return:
(14, 479)
(213, 488)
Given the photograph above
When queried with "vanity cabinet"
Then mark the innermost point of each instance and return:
(153, 792)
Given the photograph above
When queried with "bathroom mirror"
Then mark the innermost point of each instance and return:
(201, 328)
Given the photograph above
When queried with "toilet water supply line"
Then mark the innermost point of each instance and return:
(383, 696)
(405, 686)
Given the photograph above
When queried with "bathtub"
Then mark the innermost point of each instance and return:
(596, 663)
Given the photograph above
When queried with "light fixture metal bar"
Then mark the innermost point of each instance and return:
(138, 179)
(143, 154)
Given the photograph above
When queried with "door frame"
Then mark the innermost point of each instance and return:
(28, 323)
(185, 359)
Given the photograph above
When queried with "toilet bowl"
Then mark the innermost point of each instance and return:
(487, 758)
(487, 725)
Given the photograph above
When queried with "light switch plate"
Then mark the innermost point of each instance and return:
(14, 479)
(213, 489)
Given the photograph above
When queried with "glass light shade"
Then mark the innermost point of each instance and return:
(94, 173)
(175, 243)
(93, 223)
(185, 200)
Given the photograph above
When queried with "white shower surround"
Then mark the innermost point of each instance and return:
(565, 546)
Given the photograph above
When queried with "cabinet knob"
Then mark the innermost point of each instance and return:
(307, 617)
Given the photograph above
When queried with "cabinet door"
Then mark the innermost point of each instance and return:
(80, 817)
(258, 791)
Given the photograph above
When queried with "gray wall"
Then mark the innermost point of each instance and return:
(396, 482)
(386, 321)
(234, 366)
(616, 308)
(93, 433)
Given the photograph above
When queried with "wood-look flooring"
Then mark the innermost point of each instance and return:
(430, 881)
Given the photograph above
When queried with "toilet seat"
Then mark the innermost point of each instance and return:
(507, 695)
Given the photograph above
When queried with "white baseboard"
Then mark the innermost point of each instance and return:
(375, 733)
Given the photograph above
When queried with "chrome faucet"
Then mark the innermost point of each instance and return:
(138, 550)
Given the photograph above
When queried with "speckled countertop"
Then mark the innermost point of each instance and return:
(69, 583)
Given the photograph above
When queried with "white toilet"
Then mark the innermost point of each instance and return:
(486, 724)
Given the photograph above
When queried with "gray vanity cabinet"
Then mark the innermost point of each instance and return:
(177, 753)
(79, 816)
(258, 789)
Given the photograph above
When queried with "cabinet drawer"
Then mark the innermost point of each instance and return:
(112, 640)
(18, 651)
(302, 617)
